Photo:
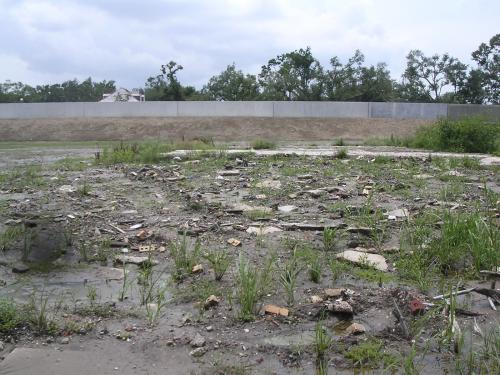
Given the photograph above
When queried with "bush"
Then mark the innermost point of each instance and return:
(473, 134)
(8, 315)
(262, 144)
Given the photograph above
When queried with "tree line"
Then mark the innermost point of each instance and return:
(298, 75)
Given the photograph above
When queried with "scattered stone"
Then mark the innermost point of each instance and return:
(198, 352)
(229, 172)
(123, 259)
(355, 329)
(305, 176)
(135, 226)
(275, 310)
(316, 193)
(341, 307)
(423, 176)
(144, 234)
(211, 301)
(454, 174)
(271, 184)
(360, 230)
(333, 293)
(20, 268)
(316, 299)
(198, 341)
(209, 328)
(65, 340)
(399, 213)
(234, 242)
(263, 230)
(261, 196)
(68, 189)
(197, 268)
(287, 209)
(363, 258)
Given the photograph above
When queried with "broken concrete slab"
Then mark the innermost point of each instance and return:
(287, 209)
(228, 172)
(270, 184)
(263, 230)
(123, 259)
(366, 259)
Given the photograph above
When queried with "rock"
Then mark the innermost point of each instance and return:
(363, 258)
(135, 226)
(198, 352)
(454, 174)
(423, 176)
(263, 230)
(305, 176)
(333, 293)
(65, 340)
(399, 213)
(123, 259)
(287, 209)
(316, 193)
(275, 310)
(355, 329)
(211, 301)
(361, 230)
(68, 189)
(144, 234)
(341, 307)
(308, 226)
(229, 172)
(198, 341)
(271, 184)
(197, 268)
(234, 242)
(20, 268)
(316, 299)
(209, 328)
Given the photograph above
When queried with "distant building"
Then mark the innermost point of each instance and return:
(123, 95)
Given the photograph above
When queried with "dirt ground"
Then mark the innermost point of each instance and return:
(79, 226)
(221, 129)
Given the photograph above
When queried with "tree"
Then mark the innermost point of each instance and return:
(487, 56)
(166, 86)
(294, 75)
(425, 77)
(342, 81)
(232, 84)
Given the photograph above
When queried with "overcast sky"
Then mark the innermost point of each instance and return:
(48, 41)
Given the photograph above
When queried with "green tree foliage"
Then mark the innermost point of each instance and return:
(69, 91)
(294, 75)
(487, 57)
(426, 76)
(166, 86)
(232, 84)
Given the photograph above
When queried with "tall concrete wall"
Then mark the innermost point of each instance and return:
(424, 111)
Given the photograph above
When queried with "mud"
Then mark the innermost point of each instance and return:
(126, 208)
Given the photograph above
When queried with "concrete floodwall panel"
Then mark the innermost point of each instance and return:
(428, 111)
(139, 109)
(321, 109)
(226, 109)
(468, 110)
(42, 110)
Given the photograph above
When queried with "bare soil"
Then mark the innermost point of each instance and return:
(112, 211)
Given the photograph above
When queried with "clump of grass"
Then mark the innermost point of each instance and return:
(339, 268)
(37, 314)
(258, 214)
(340, 142)
(10, 236)
(482, 357)
(322, 343)
(9, 315)
(342, 154)
(288, 279)
(263, 144)
(252, 284)
(219, 260)
(21, 178)
(184, 258)
(473, 134)
(370, 354)
(147, 152)
(329, 237)
(84, 189)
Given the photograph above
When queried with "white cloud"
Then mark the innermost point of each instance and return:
(125, 40)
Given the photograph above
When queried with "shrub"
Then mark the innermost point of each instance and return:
(473, 134)
(8, 315)
(262, 144)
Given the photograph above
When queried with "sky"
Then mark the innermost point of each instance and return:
(49, 41)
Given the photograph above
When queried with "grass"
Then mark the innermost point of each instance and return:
(184, 258)
(482, 357)
(322, 343)
(288, 279)
(263, 144)
(9, 316)
(341, 154)
(252, 283)
(219, 260)
(329, 238)
(255, 215)
(370, 354)
(20, 178)
(10, 236)
(473, 134)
